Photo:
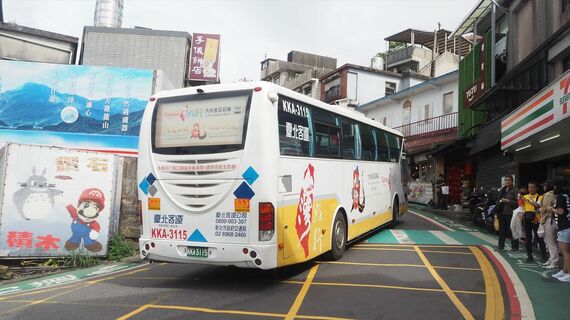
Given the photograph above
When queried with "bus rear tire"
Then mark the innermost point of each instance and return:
(338, 237)
(395, 211)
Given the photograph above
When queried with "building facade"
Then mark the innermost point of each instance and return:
(427, 116)
(301, 72)
(168, 51)
(28, 44)
(352, 85)
(513, 63)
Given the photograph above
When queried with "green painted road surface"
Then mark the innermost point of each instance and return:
(66, 277)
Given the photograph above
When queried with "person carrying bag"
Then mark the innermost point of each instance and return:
(548, 225)
(507, 204)
(532, 203)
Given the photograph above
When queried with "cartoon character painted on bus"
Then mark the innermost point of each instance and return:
(196, 132)
(84, 226)
(356, 192)
(305, 208)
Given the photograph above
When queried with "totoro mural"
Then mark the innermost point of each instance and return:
(36, 197)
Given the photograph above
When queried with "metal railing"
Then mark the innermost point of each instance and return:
(434, 124)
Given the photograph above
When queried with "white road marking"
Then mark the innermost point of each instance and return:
(430, 220)
(484, 237)
(401, 236)
(445, 238)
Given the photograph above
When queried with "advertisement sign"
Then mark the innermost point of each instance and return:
(86, 107)
(207, 122)
(543, 110)
(205, 57)
(55, 201)
(477, 89)
(420, 192)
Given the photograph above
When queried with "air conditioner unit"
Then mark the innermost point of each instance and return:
(501, 47)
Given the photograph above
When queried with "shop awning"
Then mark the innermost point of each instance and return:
(481, 9)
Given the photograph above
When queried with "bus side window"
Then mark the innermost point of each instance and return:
(295, 132)
(327, 140)
(327, 134)
(394, 145)
(383, 151)
(369, 150)
(348, 140)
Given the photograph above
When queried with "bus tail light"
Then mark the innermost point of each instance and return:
(266, 221)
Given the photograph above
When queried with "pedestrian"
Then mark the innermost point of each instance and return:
(548, 223)
(531, 220)
(562, 216)
(438, 187)
(507, 204)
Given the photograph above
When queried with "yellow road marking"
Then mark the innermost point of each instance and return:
(156, 278)
(372, 264)
(134, 312)
(464, 312)
(45, 299)
(448, 252)
(217, 311)
(457, 268)
(34, 292)
(87, 283)
(395, 265)
(495, 308)
(409, 245)
(302, 293)
(364, 285)
(117, 276)
(381, 249)
(410, 250)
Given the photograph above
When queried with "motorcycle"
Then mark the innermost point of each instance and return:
(483, 206)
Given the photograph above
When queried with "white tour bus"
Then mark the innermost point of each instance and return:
(256, 175)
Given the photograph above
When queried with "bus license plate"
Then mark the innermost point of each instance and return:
(197, 252)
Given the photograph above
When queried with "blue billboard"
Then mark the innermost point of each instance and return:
(73, 106)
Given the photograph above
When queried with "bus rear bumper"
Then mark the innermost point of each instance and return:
(239, 255)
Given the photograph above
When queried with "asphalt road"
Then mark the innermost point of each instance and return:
(374, 280)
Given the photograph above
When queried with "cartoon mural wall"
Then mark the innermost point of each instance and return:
(64, 208)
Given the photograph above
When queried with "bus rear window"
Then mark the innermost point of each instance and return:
(205, 123)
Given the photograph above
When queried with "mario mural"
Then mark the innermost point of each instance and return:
(357, 192)
(305, 208)
(84, 226)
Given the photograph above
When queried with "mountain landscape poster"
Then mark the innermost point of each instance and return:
(77, 106)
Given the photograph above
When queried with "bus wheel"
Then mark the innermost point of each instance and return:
(395, 211)
(338, 237)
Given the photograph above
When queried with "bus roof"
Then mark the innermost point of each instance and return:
(280, 90)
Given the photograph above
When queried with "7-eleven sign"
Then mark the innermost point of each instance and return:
(565, 87)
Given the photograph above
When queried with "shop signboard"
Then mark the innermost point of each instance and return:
(545, 109)
(205, 57)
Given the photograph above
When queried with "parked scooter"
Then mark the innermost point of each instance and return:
(483, 206)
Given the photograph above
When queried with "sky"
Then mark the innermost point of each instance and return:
(251, 30)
